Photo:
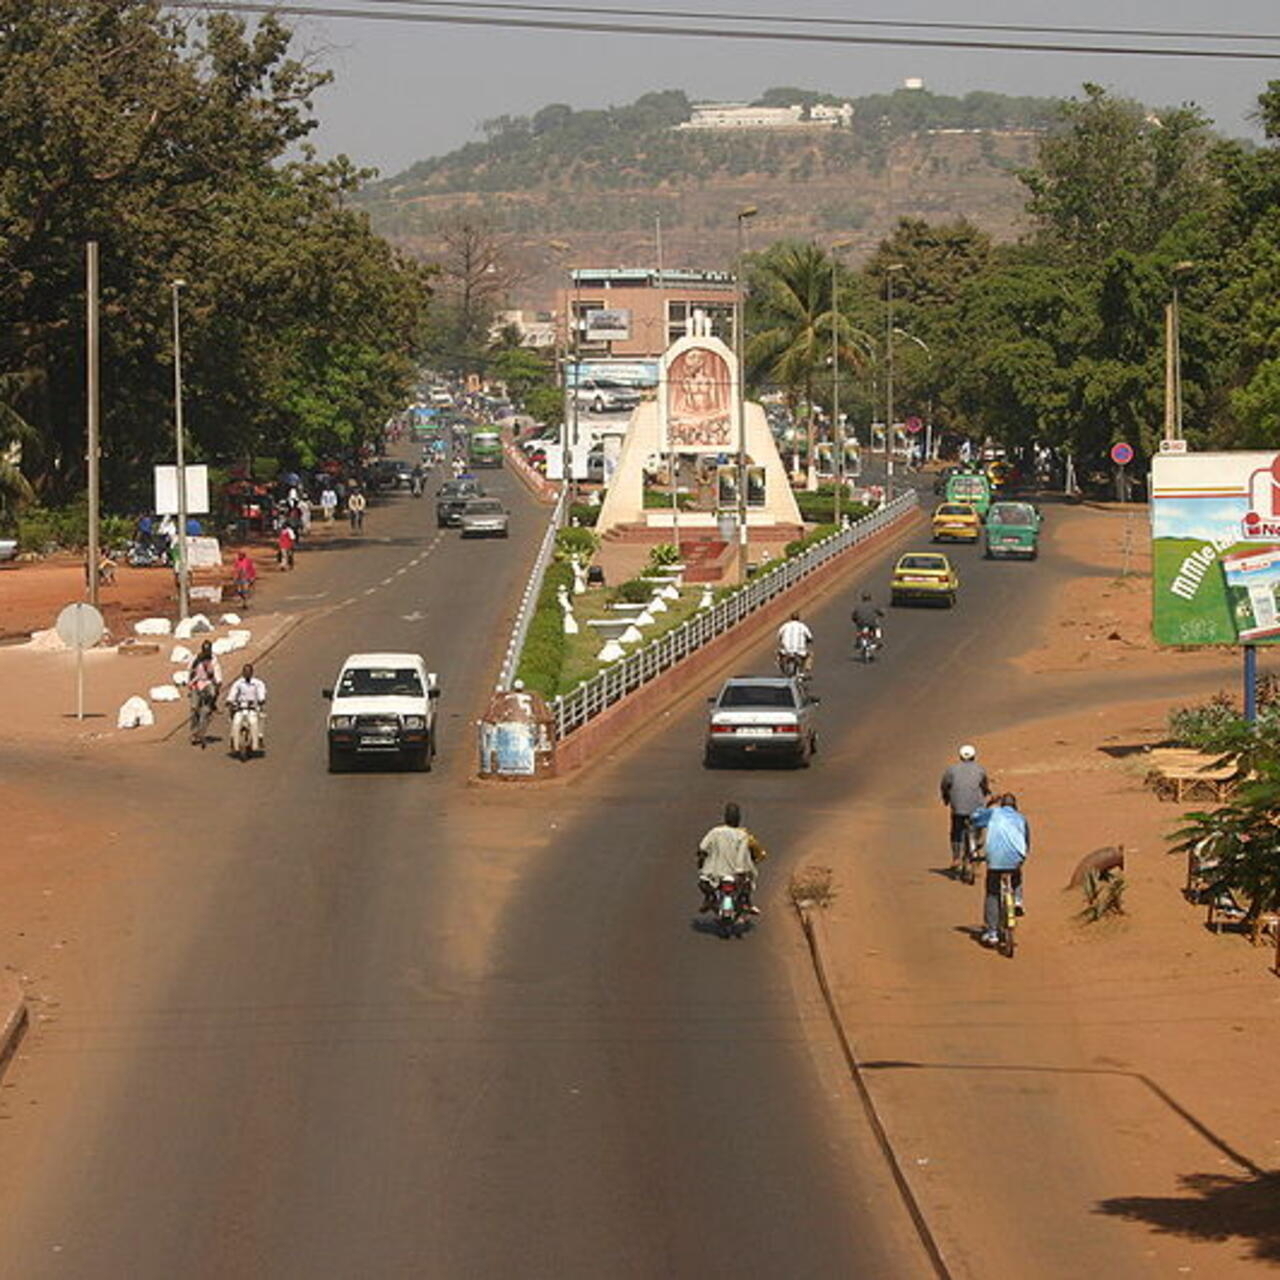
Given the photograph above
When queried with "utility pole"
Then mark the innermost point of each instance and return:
(890, 270)
(837, 435)
(184, 600)
(739, 322)
(673, 466)
(92, 397)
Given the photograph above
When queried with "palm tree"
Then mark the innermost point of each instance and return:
(794, 324)
(15, 490)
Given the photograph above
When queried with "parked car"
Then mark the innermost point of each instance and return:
(393, 473)
(956, 522)
(452, 497)
(383, 706)
(770, 717)
(483, 518)
(924, 576)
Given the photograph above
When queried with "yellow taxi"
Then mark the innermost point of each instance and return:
(924, 576)
(956, 522)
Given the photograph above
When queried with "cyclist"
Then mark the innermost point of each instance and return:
(1008, 844)
(964, 790)
(866, 617)
(795, 645)
(204, 683)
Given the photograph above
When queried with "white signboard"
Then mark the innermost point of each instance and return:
(613, 325)
(197, 490)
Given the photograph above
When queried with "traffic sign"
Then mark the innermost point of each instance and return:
(80, 626)
(1121, 453)
(914, 425)
(1173, 446)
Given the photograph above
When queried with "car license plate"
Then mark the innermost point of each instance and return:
(754, 731)
(375, 739)
(922, 581)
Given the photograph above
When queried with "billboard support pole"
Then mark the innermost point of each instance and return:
(1251, 683)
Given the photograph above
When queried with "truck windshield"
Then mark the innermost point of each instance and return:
(366, 682)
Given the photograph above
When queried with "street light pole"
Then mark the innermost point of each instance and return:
(837, 436)
(890, 270)
(184, 608)
(739, 322)
(1173, 359)
(92, 401)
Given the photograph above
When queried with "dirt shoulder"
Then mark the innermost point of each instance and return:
(1114, 1085)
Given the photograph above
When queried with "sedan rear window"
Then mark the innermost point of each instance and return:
(955, 509)
(366, 682)
(757, 695)
(921, 562)
(484, 508)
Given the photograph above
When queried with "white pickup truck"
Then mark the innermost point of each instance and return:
(384, 704)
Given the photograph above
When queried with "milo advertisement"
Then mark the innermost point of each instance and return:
(1215, 527)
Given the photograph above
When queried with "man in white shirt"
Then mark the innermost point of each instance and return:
(795, 640)
(728, 850)
(247, 697)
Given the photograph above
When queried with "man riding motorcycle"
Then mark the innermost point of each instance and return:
(247, 698)
(795, 646)
(729, 851)
(866, 619)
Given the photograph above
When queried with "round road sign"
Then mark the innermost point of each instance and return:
(80, 626)
(1121, 454)
(914, 425)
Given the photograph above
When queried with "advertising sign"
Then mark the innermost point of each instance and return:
(609, 326)
(1215, 561)
(640, 374)
(166, 490)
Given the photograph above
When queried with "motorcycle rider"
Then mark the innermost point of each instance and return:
(729, 850)
(795, 640)
(866, 617)
(965, 790)
(247, 698)
(204, 682)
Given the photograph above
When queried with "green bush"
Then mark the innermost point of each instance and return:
(663, 554)
(633, 591)
(584, 514)
(542, 658)
(819, 507)
(575, 542)
(803, 544)
(656, 500)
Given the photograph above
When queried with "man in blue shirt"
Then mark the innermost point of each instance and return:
(1008, 844)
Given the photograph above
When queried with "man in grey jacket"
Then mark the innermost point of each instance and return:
(728, 850)
(964, 790)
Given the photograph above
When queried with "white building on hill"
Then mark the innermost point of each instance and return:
(738, 115)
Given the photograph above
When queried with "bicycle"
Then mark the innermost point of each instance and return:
(202, 708)
(1008, 919)
(969, 853)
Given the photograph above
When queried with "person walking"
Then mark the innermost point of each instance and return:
(284, 542)
(356, 505)
(328, 502)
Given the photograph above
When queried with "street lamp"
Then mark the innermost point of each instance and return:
(745, 214)
(1173, 359)
(889, 271)
(180, 450)
(928, 355)
(837, 436)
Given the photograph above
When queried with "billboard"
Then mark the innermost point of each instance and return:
(166, 489)
(640, 374)
(1215, 551)
(613, 325)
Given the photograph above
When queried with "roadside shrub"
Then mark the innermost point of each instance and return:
(575, 542)
(634, 591)
(657, 500)
(819, 507)
(795, 547)
(542, 658)
(663, 554)
(583, 514)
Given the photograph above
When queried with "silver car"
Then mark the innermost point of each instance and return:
(483, 518)
(770, 717)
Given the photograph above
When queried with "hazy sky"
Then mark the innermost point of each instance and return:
(408, 91)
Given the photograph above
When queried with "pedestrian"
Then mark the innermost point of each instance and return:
(328, 501)
(355, 509)
(284, 542)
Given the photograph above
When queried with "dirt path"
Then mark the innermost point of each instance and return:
(1114, 1085)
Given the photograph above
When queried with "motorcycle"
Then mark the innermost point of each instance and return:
(730, 904)
(866, 643)
(242, 727)
(145, 555)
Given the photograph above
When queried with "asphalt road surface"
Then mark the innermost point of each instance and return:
(383, 1024)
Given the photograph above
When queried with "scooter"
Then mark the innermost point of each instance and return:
(242, 725)
(729, 895)
(866, 643)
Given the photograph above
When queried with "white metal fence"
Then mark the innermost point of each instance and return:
(529, 601)
(615, 682)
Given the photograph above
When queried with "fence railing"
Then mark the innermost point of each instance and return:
(615, 682)
(529, 601)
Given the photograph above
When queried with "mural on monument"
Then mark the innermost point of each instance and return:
(699, 400)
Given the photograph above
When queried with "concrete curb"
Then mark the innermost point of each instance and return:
(538, 485)
(590, 744)
(13, 1020)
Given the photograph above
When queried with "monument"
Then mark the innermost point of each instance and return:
(695, 415)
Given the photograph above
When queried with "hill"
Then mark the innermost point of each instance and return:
(597, 180)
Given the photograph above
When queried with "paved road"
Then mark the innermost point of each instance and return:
(391, 1025)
